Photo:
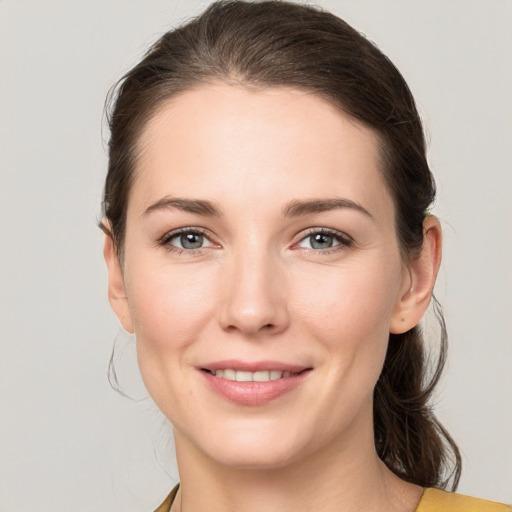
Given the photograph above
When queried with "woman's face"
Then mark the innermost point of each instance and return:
(261, 272)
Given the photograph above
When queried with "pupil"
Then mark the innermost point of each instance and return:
(321, 241)
(191, 241)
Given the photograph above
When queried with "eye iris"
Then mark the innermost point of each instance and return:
(191, 240)
(321, 241)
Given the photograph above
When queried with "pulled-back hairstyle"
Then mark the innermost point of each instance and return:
(275, 44)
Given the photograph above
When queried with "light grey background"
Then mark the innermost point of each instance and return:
(67, 441)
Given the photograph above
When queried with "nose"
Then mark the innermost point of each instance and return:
(254, 296)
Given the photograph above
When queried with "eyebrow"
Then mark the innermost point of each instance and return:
(296, 207)
(197, 206)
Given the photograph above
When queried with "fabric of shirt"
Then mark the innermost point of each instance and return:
(432, 500)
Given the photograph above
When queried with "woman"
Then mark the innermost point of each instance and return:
(269, 244)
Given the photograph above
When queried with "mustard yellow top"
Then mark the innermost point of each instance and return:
(433, 500)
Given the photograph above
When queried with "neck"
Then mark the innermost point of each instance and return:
(341, 477)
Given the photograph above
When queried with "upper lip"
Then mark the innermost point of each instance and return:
(254, 366)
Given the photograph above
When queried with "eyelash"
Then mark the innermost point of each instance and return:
(165, 241)
(343, 240)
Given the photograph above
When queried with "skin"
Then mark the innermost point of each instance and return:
(258, 290)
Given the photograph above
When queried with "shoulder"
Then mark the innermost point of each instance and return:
(435, 500)
(166, 505)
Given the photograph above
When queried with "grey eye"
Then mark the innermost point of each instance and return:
(191, 240)
(322, 241)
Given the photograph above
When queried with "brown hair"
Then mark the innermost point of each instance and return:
(275, 43)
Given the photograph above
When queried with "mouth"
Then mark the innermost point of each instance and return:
(257, 376)
(253, 383)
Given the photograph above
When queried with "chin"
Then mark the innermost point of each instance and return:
(261, 449)
(262, 458)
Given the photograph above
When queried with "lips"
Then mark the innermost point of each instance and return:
(245, 376)
(256, 383)
(253, 366)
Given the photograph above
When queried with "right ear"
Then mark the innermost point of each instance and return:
(116, 289)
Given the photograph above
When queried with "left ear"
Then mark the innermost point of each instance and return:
(421, 273)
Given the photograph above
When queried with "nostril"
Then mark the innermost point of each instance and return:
(252, 317)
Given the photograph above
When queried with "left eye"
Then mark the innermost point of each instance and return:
(189, 240)
(321, 240)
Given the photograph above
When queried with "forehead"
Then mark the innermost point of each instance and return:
(232, 142)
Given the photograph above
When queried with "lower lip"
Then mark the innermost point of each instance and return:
(253, 393)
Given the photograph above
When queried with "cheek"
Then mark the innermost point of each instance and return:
(170, 307)
(168, 303)
(354, 287)
(349, 308)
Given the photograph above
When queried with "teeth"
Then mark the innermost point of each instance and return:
(229, 374)
(244, 376)
(261, 376)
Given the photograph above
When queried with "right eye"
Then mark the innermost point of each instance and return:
(188, 239)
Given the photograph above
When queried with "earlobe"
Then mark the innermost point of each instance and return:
(415, 296)
(116, 288)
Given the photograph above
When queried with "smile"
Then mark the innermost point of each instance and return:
(253, 383)
(246, 376)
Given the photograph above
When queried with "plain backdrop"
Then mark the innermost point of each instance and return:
(67, 441)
